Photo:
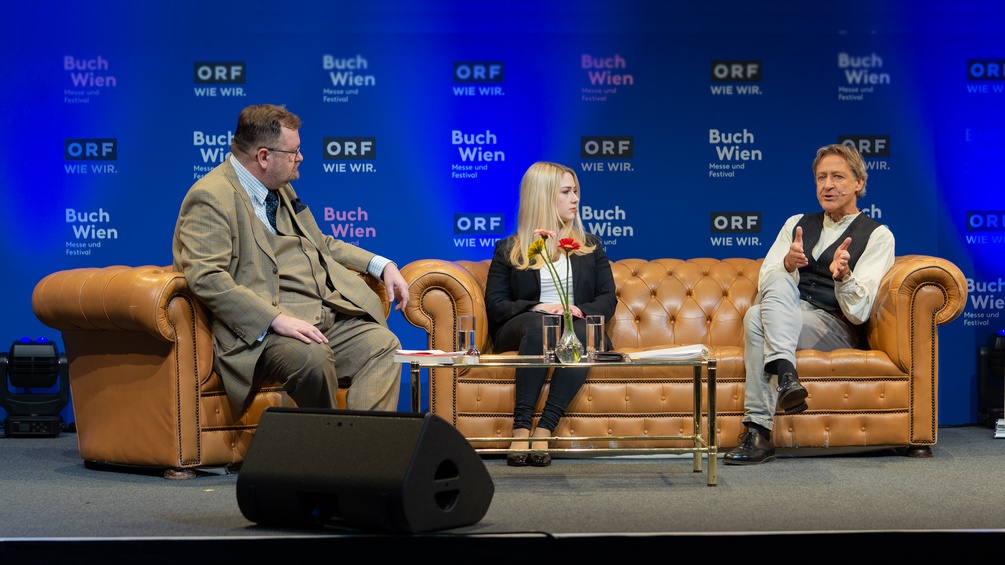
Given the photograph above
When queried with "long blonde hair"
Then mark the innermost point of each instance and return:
(539, 191)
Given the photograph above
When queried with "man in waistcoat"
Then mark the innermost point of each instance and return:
(287, 302)
(816, 287)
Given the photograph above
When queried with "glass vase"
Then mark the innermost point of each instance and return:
(569, 348)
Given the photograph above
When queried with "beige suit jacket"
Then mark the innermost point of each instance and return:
(225, 253)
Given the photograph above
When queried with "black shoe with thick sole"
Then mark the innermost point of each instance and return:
(791, 394)
(754, 448)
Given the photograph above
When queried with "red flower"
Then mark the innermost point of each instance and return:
(568, 245)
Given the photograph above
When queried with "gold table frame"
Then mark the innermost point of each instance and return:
(701, 446)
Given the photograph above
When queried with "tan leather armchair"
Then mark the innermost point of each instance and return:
(142, 385)
(883, 396)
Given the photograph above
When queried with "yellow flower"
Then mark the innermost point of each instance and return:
(535, 247)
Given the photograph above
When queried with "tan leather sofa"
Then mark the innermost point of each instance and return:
(142, 385)
(882, 397)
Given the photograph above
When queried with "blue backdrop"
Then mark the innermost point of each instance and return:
(692, 126)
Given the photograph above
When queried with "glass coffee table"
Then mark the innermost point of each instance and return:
(700, 446)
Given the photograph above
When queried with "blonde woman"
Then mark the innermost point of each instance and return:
(519, 290)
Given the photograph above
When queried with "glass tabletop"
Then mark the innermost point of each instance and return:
(540, 361)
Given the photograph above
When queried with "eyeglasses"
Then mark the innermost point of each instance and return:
(293, 152)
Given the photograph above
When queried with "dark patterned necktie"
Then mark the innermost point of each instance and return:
(271, 205)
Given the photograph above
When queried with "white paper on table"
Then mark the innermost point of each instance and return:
(678, 353)
(427, 355)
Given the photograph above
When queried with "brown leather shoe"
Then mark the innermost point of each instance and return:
(791, 394)
(754, 448)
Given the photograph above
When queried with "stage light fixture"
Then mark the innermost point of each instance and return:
(991, 380)
(36, 388)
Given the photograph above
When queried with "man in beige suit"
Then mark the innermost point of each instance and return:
(286, 299)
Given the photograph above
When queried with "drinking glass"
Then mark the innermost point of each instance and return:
(594, 336)
(466, 335)
(551, 325)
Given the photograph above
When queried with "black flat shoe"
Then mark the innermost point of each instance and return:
(539, 459)
(516, 459)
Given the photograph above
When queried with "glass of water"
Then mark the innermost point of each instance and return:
(466, 335)
(594, 336)
(551, 326)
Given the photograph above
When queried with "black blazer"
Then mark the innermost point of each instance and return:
(510, 291)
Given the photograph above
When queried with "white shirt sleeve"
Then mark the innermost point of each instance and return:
(857, 294)
(376, 266)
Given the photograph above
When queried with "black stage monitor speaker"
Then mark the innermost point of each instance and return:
(389, 471)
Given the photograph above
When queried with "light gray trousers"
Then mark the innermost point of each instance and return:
(774, 328)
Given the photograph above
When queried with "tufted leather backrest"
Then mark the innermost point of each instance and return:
(664, 301)
(667, 301)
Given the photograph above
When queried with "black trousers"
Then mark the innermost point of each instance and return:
(523, 334)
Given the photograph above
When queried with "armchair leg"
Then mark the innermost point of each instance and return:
(179, 474)
(921, 451)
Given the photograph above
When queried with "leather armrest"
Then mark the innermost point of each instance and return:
(917, 295)
(115, 298)
(123, 298)
(439, 291)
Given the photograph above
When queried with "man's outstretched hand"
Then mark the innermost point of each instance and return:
(795, 258)
(839, 267)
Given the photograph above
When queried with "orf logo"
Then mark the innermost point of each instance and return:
(350, 148)
(219, 73)
(736, 222)
(477, 224)
(479, 71)
(103, 149)
(736, 71)
(985, 220)
(986, 69)
(607, 147)
(868, 145)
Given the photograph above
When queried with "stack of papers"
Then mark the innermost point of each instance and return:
(428, 356)
(678, 353)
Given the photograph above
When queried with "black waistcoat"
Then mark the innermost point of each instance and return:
(816, 285)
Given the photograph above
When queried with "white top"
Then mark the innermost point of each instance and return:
(549, 290)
